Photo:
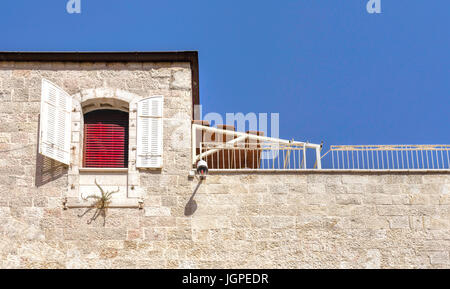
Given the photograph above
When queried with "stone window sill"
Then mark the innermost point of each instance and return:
(74, 203)
(105, 170)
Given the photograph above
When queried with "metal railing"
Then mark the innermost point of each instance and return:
(231, 150)
(390, 157)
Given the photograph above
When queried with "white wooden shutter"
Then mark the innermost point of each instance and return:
(150, 133)
(55, 123)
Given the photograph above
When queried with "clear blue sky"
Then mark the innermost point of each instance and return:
(332, 71)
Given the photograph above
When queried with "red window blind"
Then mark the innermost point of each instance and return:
(105, 139)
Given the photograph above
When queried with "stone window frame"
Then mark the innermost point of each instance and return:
(107, 98)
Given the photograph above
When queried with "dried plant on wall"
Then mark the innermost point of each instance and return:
(101, 203)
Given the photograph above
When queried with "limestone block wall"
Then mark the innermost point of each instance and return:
(230, 220)
(332, 220)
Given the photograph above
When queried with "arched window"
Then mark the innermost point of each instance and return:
(105, 139)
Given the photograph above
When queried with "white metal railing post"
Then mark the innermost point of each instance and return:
(318, 159)
(304, 156)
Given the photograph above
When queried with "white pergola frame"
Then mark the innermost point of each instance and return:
(240, 136)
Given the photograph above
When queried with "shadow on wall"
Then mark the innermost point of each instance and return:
(191, 205)
(47, 170)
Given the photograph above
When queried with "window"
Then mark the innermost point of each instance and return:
(106, 136)
(105, 139)
(102, 134)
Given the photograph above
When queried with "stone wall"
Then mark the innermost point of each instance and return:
(230, 220)
(328, 220)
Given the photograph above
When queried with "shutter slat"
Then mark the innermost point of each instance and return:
(55, 118)
(150, 133)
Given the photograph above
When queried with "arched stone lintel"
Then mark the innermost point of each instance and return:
(104, 98)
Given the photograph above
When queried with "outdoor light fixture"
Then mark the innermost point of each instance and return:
(202, 169)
